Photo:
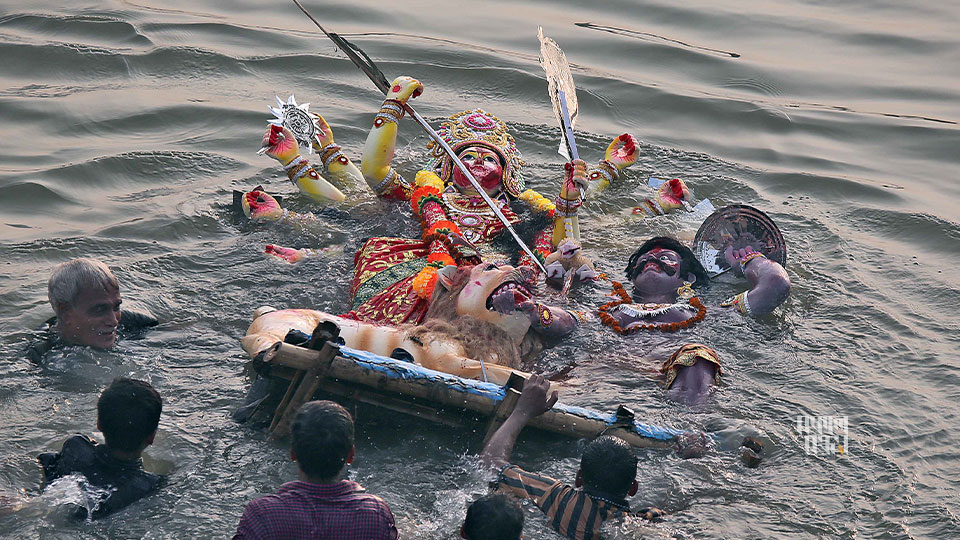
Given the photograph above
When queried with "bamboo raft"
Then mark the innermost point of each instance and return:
(436, 396)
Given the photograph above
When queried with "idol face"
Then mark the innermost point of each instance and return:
(484, 164)
(659, 271)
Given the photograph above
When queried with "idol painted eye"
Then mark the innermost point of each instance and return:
(664, 258)
(489, 159)
(469, 156)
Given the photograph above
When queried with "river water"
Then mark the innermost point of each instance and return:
(128, 124)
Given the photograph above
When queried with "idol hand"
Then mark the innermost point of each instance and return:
(324, 133)
(576, 179)
(261, 206)
(671, 195)
(735, 256)
(404, 88)
(280, 144)
(622, 152)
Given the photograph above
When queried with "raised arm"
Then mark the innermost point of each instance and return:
(533, 402)
(621, 153)
(280, 144)
(338, 166)
(669, 197)
(382, 140)
(769, 282)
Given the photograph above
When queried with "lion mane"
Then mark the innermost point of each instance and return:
(481, 340)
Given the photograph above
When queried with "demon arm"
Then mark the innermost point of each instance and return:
(382, 141)
(769, 282)
(551, 322)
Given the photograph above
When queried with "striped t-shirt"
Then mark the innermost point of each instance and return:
(572, 512)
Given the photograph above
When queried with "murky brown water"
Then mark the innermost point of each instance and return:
(128, 124)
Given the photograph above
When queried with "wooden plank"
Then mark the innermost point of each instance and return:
(399, 404)
(386, 375)
(307, 387)
(282, 406)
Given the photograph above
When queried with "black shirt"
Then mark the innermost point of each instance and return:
(126, 479)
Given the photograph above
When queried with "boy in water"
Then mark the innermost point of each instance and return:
(320, 504)
(607, 475)
(128, 413)
(493, 517)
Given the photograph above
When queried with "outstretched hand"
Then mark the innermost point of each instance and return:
(622, 152)
(533, 400)
(404, 88)
(280, 144)
(672, 194)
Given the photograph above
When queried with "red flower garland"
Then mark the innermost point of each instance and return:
(610, 321)
(423, 192)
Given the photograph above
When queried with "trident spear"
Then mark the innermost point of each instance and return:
(362, 61)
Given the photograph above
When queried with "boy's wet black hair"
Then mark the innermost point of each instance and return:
(493, 517)
(128, 412)
(688, 262)
(609, 466)
(322, 437)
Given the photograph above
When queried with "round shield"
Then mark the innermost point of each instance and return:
(737, 225)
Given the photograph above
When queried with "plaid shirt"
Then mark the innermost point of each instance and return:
(301, 510)
(573, 513)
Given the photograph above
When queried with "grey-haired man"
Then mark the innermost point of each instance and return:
(85, 295)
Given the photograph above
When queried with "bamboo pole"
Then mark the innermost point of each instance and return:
(387, 375)
(307, 387)
(512, 393)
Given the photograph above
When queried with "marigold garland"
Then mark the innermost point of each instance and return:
(443, 226)
(541, 254)
(429, 178)
(610, 321)
(442, 258)
(436, 235)
(421, 195)
(538, 202)
(425, 281)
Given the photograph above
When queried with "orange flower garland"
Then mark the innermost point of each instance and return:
(610, 321)
(425, 281)
(421, 195)
(436, 235)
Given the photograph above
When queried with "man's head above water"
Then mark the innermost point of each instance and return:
(608, 468)
(85, 295)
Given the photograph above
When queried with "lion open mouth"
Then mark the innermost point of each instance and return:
(509, 293)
